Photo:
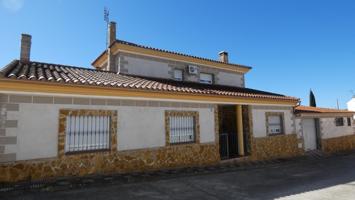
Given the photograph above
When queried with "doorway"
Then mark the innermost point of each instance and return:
(309, 134)
(228, 140)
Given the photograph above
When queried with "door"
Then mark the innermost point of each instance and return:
(228, 132)
(309, 134)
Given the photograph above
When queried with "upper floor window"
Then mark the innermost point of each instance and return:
(274, 123)
(178, 75)
(206, 78)
(339, 121)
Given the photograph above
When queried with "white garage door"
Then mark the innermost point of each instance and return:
(309, 134)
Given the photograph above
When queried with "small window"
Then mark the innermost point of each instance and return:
(274, 122)
(206, 78)
(181, 127)
(178, 75)
(87, 133)
(339, 121)
(349, 121)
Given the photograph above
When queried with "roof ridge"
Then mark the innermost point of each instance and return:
(177, 53)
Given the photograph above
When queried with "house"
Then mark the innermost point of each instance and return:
(329, 130)
(141, 108)
(351, 104)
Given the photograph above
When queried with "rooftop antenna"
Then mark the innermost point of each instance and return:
(107, 20)
(338, 104)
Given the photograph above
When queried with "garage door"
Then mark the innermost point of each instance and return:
(309, 134)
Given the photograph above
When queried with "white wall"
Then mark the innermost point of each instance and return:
(160, 69)
(145, 67)
(351, 105)
(231, 79)
(330, 130)
(138, 127)
(259, 119)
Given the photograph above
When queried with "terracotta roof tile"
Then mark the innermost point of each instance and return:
(170, 52)
(64, 74)
(308, 109)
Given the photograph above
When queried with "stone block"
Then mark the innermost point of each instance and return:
(20, 99)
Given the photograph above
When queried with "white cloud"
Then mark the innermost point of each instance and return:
(12, 5)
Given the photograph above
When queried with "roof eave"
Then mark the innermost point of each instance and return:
(16, 85)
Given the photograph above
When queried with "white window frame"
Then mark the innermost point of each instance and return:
(204, 79)
(175, 75)
(271, 127)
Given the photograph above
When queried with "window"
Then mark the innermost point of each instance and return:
(339, 121)
(181, 127)
(87, 133)
(274, 123)
(206, 78)
(349, 121)
(178, 75)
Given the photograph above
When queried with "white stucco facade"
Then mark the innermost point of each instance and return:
(351, 105)
(330, 130)
(259, 119)
(160, 68)
(139, 127)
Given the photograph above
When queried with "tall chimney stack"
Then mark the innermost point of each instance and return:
(223, 56)
(111, 64)
(111, 33)
(25, 47)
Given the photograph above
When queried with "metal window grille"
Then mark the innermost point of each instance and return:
(182, 129)
(87, 133)
(339, 121)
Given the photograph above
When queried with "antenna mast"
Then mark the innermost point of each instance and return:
(107, 20)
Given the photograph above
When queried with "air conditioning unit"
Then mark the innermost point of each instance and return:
(192, 69)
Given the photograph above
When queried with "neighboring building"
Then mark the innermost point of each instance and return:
(325, 129)
(351, 105)
(141, 109)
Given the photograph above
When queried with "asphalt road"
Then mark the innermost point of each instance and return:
(332, 178)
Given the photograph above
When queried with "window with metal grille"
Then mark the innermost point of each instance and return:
(339, 121)
(87, 133)
(349, 121)
(182, 129)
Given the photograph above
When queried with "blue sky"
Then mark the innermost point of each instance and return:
(292, 45)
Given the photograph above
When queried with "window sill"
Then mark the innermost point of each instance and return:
(87, 152)
(182, 143)
(278, 134)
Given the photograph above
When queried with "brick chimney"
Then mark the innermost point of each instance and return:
(25, 48)
(111, 33)
(111, 36)
(223, 56)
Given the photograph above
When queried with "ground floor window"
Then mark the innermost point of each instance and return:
(274, 123)
(181, 127)
(349, 121)
(86, 133)
(339, 121)
(87, 130)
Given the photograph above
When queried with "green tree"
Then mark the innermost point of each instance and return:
(312, 99)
